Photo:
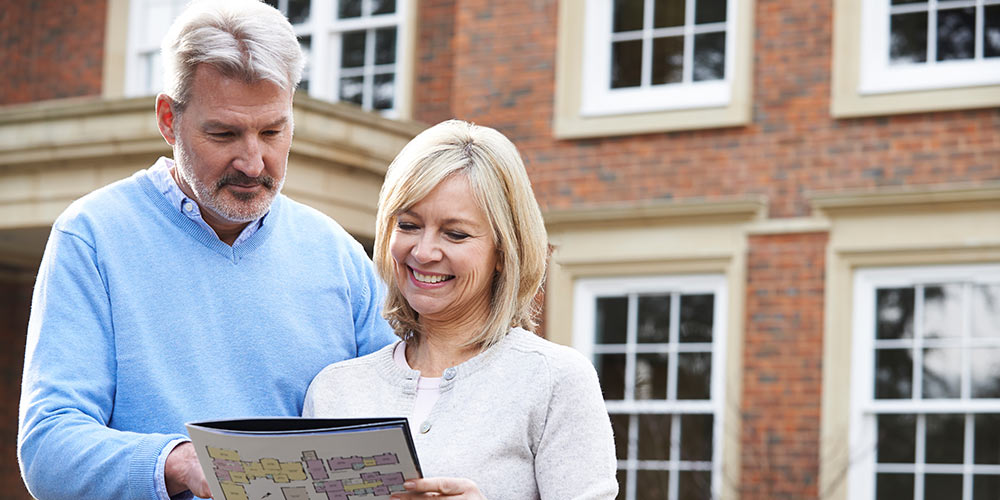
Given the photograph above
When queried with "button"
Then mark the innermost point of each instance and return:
(188, 206)
(425, 427)
(450, 373)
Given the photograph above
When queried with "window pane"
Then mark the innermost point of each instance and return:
(619, 426)
(710, 11)
(622, 476)
(696, 437)
(654, 318)
(385, 46)
(896, 439)
(991, 31)
(352, 51)
(894, 313)
(938, 486)
(943, 311)
(893, 486)
(349, 8)
(942, 373)
(651, 376)
(351, 89)
(986, 306)
(384, 91)
(654, 437)
(709, 56)
(985, 487)
(694, 485)
(908, 38)
(985, 373)
(893, 374)
(383, 7)
(694, 375)
(612, 320)
(987, 445)
(652, 485)
(611, 371)
(945, 438)
(956, 34)
(900, 2)
(668, 60)
(697, 318)
(668, 13)
(298, 11)
(628, 15)
(626, 64)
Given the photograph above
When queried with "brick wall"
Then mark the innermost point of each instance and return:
(51, 49)
(782, 385)
(15, 300)
(504, 71)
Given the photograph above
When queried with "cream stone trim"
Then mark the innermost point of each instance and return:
(932, 226)
(846, 101)
(115, 49)
(568, 123)
(675, 238)
(56, 151)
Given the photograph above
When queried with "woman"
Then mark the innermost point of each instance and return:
(497, 411)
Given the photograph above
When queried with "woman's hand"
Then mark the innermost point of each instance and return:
(440, 487)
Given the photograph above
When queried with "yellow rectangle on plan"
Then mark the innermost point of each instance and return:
(233, 491)
(239, 477)
(270, 464)
(223, 454)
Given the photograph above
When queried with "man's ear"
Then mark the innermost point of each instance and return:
(166, 118)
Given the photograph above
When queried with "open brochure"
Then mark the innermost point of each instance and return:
(305, 458)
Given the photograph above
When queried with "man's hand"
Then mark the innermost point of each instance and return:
(182, 472)
(455, 488)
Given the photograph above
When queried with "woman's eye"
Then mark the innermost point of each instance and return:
(456, 235)
(406, 226)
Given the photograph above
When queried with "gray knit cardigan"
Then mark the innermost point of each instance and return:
(524, 420)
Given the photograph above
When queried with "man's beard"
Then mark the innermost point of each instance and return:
(237, 206)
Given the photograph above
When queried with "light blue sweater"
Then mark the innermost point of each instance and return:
(142, 320)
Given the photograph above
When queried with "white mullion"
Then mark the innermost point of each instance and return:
(932, 32)
(368, 82)
(687, 71)
(647, 45)
(980, 19)
(970, 438)
(633, 456)
(918, 342)
(630, 342)
(672, 339)
(965, 382)
(675, 455)
(919, 459)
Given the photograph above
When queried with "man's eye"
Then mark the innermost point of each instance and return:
(221, 135)
(271, 133)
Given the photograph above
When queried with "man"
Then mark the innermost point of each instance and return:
(191, 290)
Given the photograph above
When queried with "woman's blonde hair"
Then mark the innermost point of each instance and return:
(501, 188)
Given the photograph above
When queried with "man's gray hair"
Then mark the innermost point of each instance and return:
(244, 39)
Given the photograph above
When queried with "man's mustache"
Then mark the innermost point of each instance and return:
(241, 179)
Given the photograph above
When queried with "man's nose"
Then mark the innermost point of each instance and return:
(251, 159)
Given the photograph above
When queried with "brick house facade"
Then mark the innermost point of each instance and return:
(783, 203)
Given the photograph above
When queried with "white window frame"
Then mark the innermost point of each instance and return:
(140, 75)
(864, 408)
(586, 292)
(599, 99)
(323, 60)
(878, 76)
